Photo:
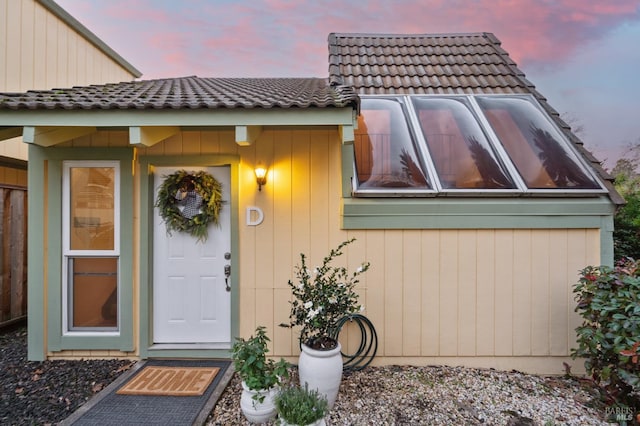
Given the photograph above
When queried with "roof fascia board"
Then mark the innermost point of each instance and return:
(62, 14)
(182, 117)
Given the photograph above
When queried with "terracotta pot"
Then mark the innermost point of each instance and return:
(322, 371)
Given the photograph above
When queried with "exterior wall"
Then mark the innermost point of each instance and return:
(478, 297)
(490, 298)
(38, 50)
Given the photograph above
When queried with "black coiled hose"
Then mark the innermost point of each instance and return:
(368, 342)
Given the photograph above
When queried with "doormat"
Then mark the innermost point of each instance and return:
(170, 381)
(109, 408)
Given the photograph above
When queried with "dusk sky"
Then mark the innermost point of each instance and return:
(583, 55)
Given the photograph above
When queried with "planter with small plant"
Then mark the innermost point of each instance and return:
(297, 406)
(260, 376)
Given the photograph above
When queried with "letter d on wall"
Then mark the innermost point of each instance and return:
(255, 216)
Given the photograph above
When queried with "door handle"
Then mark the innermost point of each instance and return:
(227, 274)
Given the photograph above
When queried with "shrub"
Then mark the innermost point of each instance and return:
(609, 337)
(251, 363)
(322, 296)
(300, 406)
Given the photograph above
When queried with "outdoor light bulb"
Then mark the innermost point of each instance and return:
(261, 172)
(261, 176)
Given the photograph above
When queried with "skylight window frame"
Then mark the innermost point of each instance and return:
(501, 155)
(576, 156)
(425, 162)
(429, 168)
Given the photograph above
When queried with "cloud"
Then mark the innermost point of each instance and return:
(139, 11)
(279, 37)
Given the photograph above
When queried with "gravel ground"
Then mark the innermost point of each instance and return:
(439, 395)
(47, 392)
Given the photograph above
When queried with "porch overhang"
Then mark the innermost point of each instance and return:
(148, 127)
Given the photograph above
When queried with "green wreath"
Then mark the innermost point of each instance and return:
(189, 202)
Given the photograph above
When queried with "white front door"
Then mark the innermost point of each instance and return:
(191, 303)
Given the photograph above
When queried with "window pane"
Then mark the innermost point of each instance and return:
(462, 155)
(92, 208)
(384, 149)
(93, 292)
(534, 145)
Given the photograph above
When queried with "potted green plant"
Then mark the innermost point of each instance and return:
(323, 296)
(301, 407)
(260, 376)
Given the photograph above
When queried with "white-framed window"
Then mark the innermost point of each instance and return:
(91, 246)
(464, 144)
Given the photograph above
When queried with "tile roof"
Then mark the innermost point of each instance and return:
(466, 63)
(423, 64)
(189, 93)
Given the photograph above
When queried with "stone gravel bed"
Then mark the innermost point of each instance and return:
(47, 392)
(440, 395)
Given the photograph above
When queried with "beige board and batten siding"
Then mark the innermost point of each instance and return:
(40, 50)
(488, 298)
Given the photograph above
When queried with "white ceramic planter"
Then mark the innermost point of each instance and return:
(255, 411)
(322, 371)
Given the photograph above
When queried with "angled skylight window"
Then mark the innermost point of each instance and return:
(535, 146)
(385, 151)
(462, 145)
(461, 153)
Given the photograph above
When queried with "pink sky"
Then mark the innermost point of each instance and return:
(583, 57)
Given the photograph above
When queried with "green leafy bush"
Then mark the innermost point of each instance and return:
(251, 363)
(322, 296)
(609, 303)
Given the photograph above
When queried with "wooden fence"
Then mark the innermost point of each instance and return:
(13, 253)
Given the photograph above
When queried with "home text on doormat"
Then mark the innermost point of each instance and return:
(170, 381)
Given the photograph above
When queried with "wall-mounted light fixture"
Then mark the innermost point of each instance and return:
(261, 176)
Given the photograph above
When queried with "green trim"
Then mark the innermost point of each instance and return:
(54, 258)
(606, 241)
(57, 341)
(475, 213)
(146, 249)
(347, 163)
(145, 319)
(35, 251)
(181, 117)
(89, 36)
